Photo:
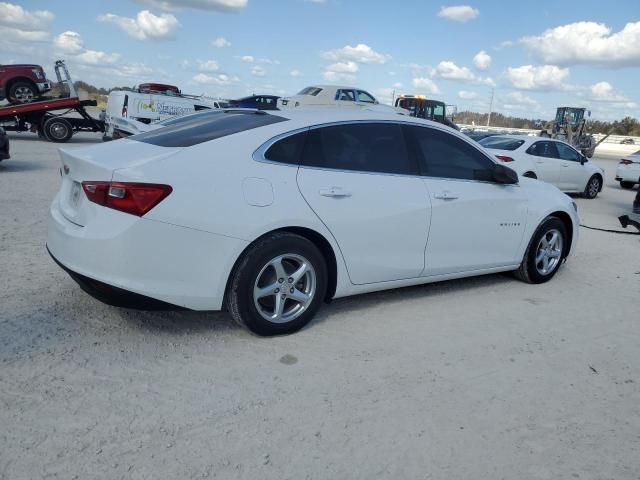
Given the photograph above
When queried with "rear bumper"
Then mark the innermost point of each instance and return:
(120, 258)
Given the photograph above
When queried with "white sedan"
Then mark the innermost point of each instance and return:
(628, 171)
(335, 96)
(551, 161)
(268, 215)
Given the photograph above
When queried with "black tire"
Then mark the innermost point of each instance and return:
(530, 175)
(57, 129)
(594, 185)
(529, 268)
(251, 267)
(23, 92)
(627, 185)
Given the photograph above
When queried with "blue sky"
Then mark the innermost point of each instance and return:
(534, 55)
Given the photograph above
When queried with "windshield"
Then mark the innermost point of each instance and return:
(501, 143)
(310, 91)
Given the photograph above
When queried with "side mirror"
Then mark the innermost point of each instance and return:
(504, 175)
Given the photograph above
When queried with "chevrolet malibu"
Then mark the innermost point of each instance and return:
(268, 215)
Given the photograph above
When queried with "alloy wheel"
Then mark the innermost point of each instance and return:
(24, 94)
(284, 288)
(549, 252)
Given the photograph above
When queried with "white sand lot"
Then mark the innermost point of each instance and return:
(483, 378)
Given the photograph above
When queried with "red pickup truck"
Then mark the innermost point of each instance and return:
(22, 83)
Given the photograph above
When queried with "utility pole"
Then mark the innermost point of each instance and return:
(490, 108)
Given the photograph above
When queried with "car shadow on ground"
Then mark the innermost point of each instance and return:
(15, 166)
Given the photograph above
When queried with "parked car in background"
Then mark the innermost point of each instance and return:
(336, 96)
(628, 171)
(22, 83)
(261, 102)
(627, 141)
(291, 214)
(4, 145)
(549, 160)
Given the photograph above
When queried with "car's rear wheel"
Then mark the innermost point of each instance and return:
(545, 252)
(594, 185)
(530, 175)
(627, 185)
(277, 285)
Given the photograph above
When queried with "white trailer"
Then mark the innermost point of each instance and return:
(130, 112)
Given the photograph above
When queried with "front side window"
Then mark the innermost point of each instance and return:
(345, 95)
(441, 154)
(501, 143)
(565, 152)
(363, 147)
(365, 97)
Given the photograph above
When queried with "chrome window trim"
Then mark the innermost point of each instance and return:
(258, 154)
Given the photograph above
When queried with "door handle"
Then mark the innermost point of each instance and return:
(446, 195)
(539, 162)
(334, 192)
(565, 166)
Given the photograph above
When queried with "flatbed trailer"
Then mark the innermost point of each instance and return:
(48, 117)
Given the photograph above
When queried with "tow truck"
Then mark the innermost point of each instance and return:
(49, 117)
(421, 107)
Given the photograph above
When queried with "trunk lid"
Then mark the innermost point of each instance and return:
(98, 163)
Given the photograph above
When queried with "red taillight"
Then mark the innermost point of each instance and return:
(134, 198)
(504, 158)
(624, 161)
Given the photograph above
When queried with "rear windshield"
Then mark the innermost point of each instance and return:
(202, 127)
(501, 143)
(310, 91)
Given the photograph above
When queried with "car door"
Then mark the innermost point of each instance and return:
(573, 174)
(360, 181)
(544, 156)
(476, 223)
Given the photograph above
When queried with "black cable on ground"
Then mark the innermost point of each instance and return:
(624, 232)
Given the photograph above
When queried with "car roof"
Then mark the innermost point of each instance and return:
(320, 115)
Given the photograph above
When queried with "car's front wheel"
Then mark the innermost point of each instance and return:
(594, 185)
(545, 252)
(278, 284)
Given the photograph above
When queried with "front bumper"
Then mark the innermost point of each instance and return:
(130, 255)
(43, 87)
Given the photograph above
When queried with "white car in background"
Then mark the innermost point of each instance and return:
(335, 96)
(628, 171)
(268, 215)
(548, 160)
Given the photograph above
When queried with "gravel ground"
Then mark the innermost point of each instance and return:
(483, 378)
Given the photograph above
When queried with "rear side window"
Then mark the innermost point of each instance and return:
(543, 149)
(444, 155)
(501, 143)
(287, 150)
(313, 91)
(206, 126)
(363, 147)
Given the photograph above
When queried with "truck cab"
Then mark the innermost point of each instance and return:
(22, 83)
(421, 107)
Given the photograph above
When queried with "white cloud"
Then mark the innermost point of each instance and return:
(587, 43)
(295, 73)
(384, 95)
(248, 58)
(482, 60)
(459, 13)
(450, 71)
(228, 6)
(69, 42)
(519, 101)
(145, 26)
(545, 77)
(604, 92)
(17, 17)
(341, 72)
(17, 35)
(343, 67)
(221, 42)
(466, 95)
(258, 71)
(330, 76)
(221, 79)
(361, 53)
(209, 66)
(426, 85)
(505, 44)
(268, 61)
